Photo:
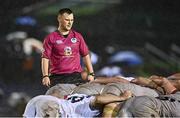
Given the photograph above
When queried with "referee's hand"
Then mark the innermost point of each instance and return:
(46, 81)
(90, 78)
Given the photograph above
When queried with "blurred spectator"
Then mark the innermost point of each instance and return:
(16, 97)
(110, 71)
(32, 49)
(25, 20)
(15, 43)
(25, 53)
(17, 35)
(128, 58)
(49, 28)
(94, 58)
(32, 44)
(110, 49)
(129, 61)
(17, 101)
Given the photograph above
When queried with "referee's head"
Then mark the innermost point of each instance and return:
(65, 10)
(65, 19)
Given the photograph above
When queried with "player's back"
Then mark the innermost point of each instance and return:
(77, 105)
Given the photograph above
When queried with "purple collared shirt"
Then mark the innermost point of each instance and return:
(64, 53)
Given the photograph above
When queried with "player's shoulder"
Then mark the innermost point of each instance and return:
(77, 94)
(45, 97)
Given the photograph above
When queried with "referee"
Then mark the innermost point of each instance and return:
(62, 52)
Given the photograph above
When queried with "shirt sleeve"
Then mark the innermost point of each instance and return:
(47, 47)
(30, 110)
(83, 47)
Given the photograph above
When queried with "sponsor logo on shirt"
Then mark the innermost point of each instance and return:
(67, 51)
(73, 40)
(59, 42)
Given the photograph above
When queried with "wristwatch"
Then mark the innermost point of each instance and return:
(92, 74)
(45, 76)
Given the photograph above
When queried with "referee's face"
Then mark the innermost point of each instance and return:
(66, 21)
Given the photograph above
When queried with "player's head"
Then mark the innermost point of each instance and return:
(56, 91)
(65, 19)
(48, 109)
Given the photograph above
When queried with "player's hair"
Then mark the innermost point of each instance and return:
(65, 10)
(52, 90)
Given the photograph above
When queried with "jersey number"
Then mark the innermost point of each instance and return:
(74, 99)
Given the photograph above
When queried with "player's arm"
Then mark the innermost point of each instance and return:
(106, 80)
(110, 102)
(109, 98)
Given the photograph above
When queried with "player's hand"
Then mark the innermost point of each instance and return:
(127, 94)
(46, 81)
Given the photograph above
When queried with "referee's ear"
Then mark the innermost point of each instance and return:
(58, 18)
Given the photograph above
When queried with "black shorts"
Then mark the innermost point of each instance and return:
(73, 78)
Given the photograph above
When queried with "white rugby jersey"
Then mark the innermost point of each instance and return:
(33, 107)
(76, 105)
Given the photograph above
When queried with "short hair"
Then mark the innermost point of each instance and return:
(65, 10)
(52, 90)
